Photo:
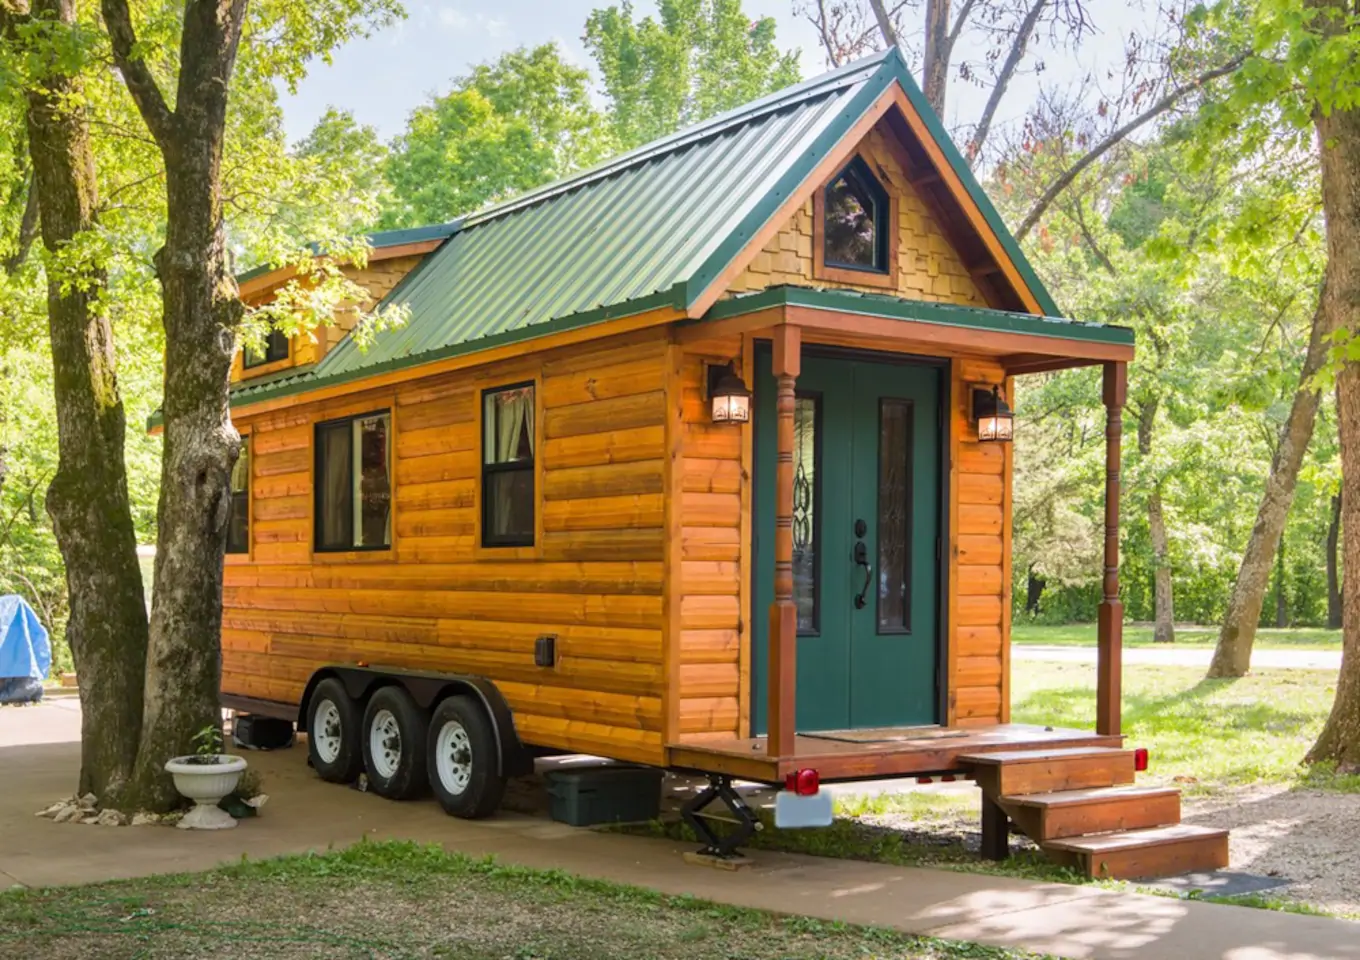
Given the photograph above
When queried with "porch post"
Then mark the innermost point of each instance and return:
(783, 677)
(1110, 619)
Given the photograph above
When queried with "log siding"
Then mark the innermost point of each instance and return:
(438, 600)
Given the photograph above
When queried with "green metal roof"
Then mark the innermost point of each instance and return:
(901, 308)
(650, 228)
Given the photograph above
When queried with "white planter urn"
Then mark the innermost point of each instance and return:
(206, 784)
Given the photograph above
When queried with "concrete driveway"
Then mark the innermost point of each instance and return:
(39, 758)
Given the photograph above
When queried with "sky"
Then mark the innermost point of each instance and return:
(381, 79)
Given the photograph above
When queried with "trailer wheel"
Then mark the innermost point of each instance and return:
(394, 744)
(463, 759)
(333, 733)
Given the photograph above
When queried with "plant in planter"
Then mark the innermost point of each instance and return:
(205, 777)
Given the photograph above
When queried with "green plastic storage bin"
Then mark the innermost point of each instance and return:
(615, 794)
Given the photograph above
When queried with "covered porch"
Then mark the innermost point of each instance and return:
(798, 322)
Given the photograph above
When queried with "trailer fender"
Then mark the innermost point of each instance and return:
(427, 689)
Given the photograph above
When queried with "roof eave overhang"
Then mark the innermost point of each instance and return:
(1022, 343)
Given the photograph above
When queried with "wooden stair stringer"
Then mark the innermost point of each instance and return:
(1080, 806)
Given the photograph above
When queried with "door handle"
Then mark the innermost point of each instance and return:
(862, 558)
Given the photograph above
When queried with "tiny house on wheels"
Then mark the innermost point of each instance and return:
(700, 460)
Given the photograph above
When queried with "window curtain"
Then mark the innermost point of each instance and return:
(514, 441)
(336, 529)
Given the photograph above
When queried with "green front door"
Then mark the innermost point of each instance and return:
(866, 531)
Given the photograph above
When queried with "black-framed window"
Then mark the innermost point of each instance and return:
(508, 466)
(353, 483)
(855, 220)
(275, 349)
(238, 526)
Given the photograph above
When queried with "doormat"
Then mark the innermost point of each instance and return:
(887, 735)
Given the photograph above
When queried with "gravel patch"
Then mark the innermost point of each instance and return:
(1309, 837)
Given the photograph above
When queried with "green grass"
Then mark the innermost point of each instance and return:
(397, 900)
(1203, 734)
(1140, 635)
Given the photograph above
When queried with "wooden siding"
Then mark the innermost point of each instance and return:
(713, 683)
(980, 547)
(306, 348)
(438, 600)
(928, 267)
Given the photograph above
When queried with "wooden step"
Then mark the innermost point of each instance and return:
(1013, 773)
(1078, 813)
(1139, 854)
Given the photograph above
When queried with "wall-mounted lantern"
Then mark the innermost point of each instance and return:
(731, 401)
(995, 422)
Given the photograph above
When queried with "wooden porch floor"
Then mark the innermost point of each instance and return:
(923, 751)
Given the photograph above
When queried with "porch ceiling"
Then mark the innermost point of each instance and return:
(1024, 343)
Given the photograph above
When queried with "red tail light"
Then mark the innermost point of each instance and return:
(805, 783)
(1140, 759)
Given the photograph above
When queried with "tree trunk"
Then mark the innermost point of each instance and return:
(1334, 566)
(88, 498)
(1232, 655)
(1164, 614)
(1281, 599)
(1339, 136)
(201, 313)
(1034, 590)
(935, 67)
(28, 231)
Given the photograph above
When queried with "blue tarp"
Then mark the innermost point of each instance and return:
(25, 651)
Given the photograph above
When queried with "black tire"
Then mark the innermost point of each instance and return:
(476, 791)
(399, 772)
(336, 758)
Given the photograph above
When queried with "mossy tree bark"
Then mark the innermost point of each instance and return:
(1334, 565)
(201, 313)
(88, 498)
(1339, 142)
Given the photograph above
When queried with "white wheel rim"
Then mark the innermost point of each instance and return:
(384, 744)
(453, 757)
(326, 731)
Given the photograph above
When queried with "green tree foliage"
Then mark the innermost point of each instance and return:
(275, 201)
(507, 126)
(1215, 262)
(699, 58)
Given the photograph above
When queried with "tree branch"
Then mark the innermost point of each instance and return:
(1080, 217)
(935, 61)
(28, 231)
(160, 120)
(1065, 179)
(885, 24)
(832, 54)
(960, 22)
(1003, 78)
